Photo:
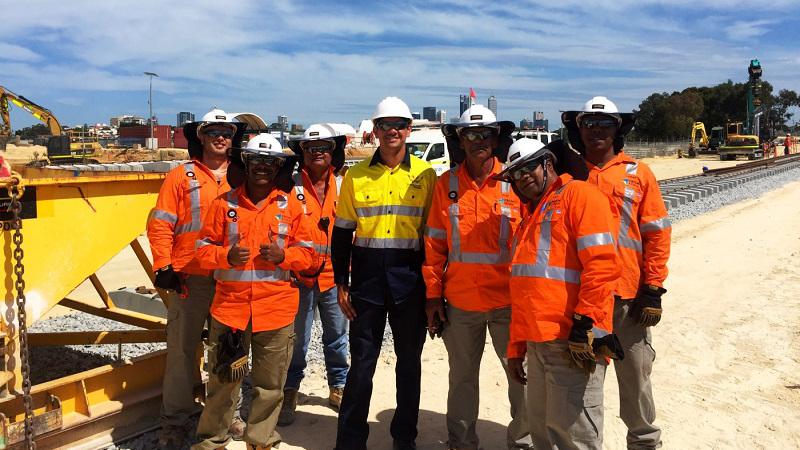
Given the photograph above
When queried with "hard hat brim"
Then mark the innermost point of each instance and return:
(505, 174)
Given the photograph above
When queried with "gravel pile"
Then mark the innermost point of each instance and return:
(746, 191)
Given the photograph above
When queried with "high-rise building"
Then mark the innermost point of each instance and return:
(464, 101)
(283, 121)
(491, 103)
(429, 113)
(184, 117)
(415, 115)
(525, 124)
(539, 122)
(441, 116)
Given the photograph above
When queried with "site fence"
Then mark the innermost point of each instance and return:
(650, 149)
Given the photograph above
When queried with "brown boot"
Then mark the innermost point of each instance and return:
(335, 397)
(287, 414)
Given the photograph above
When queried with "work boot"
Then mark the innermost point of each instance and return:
(171, 437)
(287, 416)
(335, 397)
(236, 430)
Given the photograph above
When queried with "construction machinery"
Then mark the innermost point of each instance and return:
(742, 139)
(109, 206)
(64, 146)
(696, 147)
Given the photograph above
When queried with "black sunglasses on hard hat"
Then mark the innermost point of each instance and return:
(262, 160)
(320, 146)
(598, 122)
(525, 169)
(476, 134)
(217, 132)
(387, 125)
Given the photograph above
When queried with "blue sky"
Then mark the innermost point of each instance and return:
(333, 61)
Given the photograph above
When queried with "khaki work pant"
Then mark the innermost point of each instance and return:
(637, 408)
(186, 318)
(565, 405)
(465, 338)
(271, 353)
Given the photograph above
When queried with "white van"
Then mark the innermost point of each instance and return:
(545, 137)
(429, 145)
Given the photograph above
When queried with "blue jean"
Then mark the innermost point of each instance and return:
(334, 336)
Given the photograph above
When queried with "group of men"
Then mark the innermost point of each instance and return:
(559, 251)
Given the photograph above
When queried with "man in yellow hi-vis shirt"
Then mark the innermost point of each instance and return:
(385, 201)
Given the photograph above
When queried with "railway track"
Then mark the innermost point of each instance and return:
(682, 190)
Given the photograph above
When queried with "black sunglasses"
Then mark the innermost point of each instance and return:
(317, 146)
(525, 169)
(262, 160)
(598, 122)
(386, 125)
(476, 134)
(227, 134)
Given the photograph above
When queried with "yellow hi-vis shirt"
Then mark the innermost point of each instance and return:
(388, 209)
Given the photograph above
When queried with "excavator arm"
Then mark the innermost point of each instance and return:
(41, 113)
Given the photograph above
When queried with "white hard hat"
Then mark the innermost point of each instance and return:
(264, 144)
(392, 107)
(522, 151)
(599, 105)
(477, 115)
(319, 131)
(215, 117)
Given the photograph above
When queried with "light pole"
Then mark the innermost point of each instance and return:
(150, 103)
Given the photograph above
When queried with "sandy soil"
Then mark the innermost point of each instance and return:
(728, 348)
(24, 154)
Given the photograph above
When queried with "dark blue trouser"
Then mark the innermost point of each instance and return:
(407, 321)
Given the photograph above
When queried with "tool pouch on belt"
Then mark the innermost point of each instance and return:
(232, 359)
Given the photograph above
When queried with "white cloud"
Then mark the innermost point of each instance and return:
(17, 53)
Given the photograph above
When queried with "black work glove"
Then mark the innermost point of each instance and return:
(167, 278)
(646, 307)
(580, 342)
(232, 358)
(608, 346)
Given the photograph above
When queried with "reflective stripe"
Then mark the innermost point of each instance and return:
(205, 241)
(452, 213)
(282, 202)
(396, 210)
(542, 269)
(338, 181)
(344, 223)
(283, 232)
(599, 332)
(483, 258)
(304, 244)
(655, 225)
(435, 233)
(297, 177)
(322, 249)
(233, 227)
(593, 240)
(626, 218)
(251, 275)
(399, 243)
(160, 214)
(194, 203)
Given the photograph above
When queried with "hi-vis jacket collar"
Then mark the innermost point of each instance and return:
(376, 158)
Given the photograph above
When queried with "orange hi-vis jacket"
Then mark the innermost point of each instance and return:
(175, 222)
(313, 210)
(257, 290)
(643, 226)
(467, 240)
(563, 261)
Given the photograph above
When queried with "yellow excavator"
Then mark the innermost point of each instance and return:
(63, 146)
(703, 144)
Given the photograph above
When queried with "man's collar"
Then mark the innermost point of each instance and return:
(376, 158)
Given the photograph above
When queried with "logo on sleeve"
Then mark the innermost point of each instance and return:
(232, 215)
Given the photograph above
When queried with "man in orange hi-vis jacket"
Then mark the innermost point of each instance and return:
(467, 266)
(564, 268)
(253, 238)
(643, 242)
(172, 229)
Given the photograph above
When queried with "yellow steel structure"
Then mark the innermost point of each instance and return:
(73, 223)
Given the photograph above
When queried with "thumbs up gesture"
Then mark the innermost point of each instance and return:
(237, 256)
(272, 252)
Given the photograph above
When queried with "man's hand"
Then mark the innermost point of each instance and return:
(272, 253)
(434, 309)
(167, 278)
(646, 307)
(238, 256)
(345, 304)
(516, 370)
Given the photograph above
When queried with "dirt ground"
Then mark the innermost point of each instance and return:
(726, 376)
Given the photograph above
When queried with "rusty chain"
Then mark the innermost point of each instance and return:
(19, 284)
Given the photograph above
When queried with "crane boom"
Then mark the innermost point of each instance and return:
(41, 113)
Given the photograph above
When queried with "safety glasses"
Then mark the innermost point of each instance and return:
(598, 122)
(217, 132)
(525, 169)
(476, 134)
(386, 125)
(320, 146)
(263, 160)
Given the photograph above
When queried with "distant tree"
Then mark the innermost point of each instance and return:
(32, 131)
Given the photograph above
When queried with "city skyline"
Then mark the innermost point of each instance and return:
(333, 61)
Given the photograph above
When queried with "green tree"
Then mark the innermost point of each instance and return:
(33, 131)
